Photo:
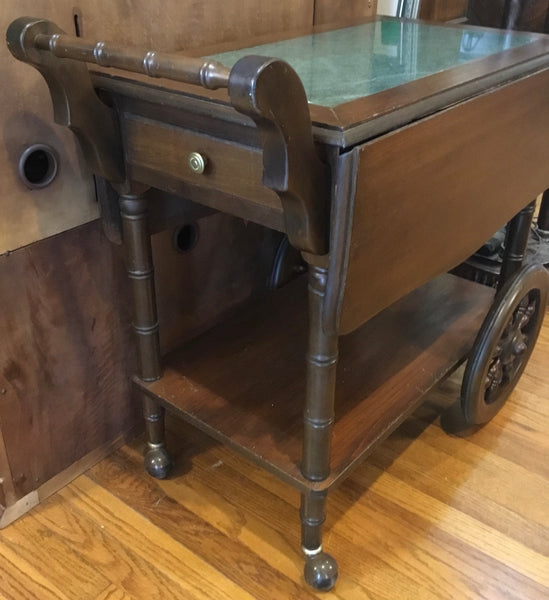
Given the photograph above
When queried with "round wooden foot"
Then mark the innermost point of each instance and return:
(321, 571)
(158, 462)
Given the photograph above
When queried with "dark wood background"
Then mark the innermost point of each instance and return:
(442, 10)
(65, 349)
(526, 15)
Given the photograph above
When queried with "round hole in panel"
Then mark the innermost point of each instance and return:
(38, 166)
(185, 237)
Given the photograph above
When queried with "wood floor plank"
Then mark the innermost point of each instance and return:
(433, 560)
(59, 565)
(213, 493)
(202, 493)
(113, 593)
(269, 526)
(460, 467)
(91, 543)
(238, 506)
(450, 481)
(20, 579)
(151, 543)
(243, 566)
(184, 440)
(475, 534)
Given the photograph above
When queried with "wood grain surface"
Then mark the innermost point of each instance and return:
(157, 154)
(64, 359)
(191, 295)
(179, 25)
(442, 10)
(436, 513)
(420, 188)
(527, 15)
(343, 11)
(26, 118)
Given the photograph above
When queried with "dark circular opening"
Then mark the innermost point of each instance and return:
(38, 166)
(185, 237)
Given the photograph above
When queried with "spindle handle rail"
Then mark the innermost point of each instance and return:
(176, 67)
(266, 89)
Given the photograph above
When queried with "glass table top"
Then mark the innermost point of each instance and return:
(344, 64)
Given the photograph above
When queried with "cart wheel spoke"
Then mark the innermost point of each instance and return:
(494, 376)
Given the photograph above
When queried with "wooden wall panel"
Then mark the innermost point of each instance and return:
(178, 25)
(528, 15)
(231, 262)
(342, 11)
(26, 118)
(442, 10)
(534, 17)
(65, 353)
(7, 492)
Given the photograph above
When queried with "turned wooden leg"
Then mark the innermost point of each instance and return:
(320, 568)
(516, 242)
(139, 266)
(318, 417)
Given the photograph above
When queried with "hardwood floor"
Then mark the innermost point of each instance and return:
(430, 515)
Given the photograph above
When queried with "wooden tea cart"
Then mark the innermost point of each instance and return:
(388, 153)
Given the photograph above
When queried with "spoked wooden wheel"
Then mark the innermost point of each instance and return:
(504, 344)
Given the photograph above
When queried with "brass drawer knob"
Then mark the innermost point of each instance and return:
(197, 163)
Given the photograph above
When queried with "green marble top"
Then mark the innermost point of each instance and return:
(345, 64)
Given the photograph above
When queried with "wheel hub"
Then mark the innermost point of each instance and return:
(510, 350)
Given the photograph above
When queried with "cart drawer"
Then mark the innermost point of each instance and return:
(158, 153)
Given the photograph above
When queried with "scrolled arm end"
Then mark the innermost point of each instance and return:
(21, 35)
(270, 92)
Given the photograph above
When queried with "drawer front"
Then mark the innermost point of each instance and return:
(157, 152)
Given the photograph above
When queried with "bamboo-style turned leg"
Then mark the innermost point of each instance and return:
(318, 417)
(140, 271)
(320, 568)
(516, 242)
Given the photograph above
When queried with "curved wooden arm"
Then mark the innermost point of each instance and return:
(75, 103)
(266, 89)
(270, 92)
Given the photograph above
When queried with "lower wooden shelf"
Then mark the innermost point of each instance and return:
(243, 382)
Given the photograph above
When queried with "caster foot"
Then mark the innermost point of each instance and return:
(157, 461)
(321, 571)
